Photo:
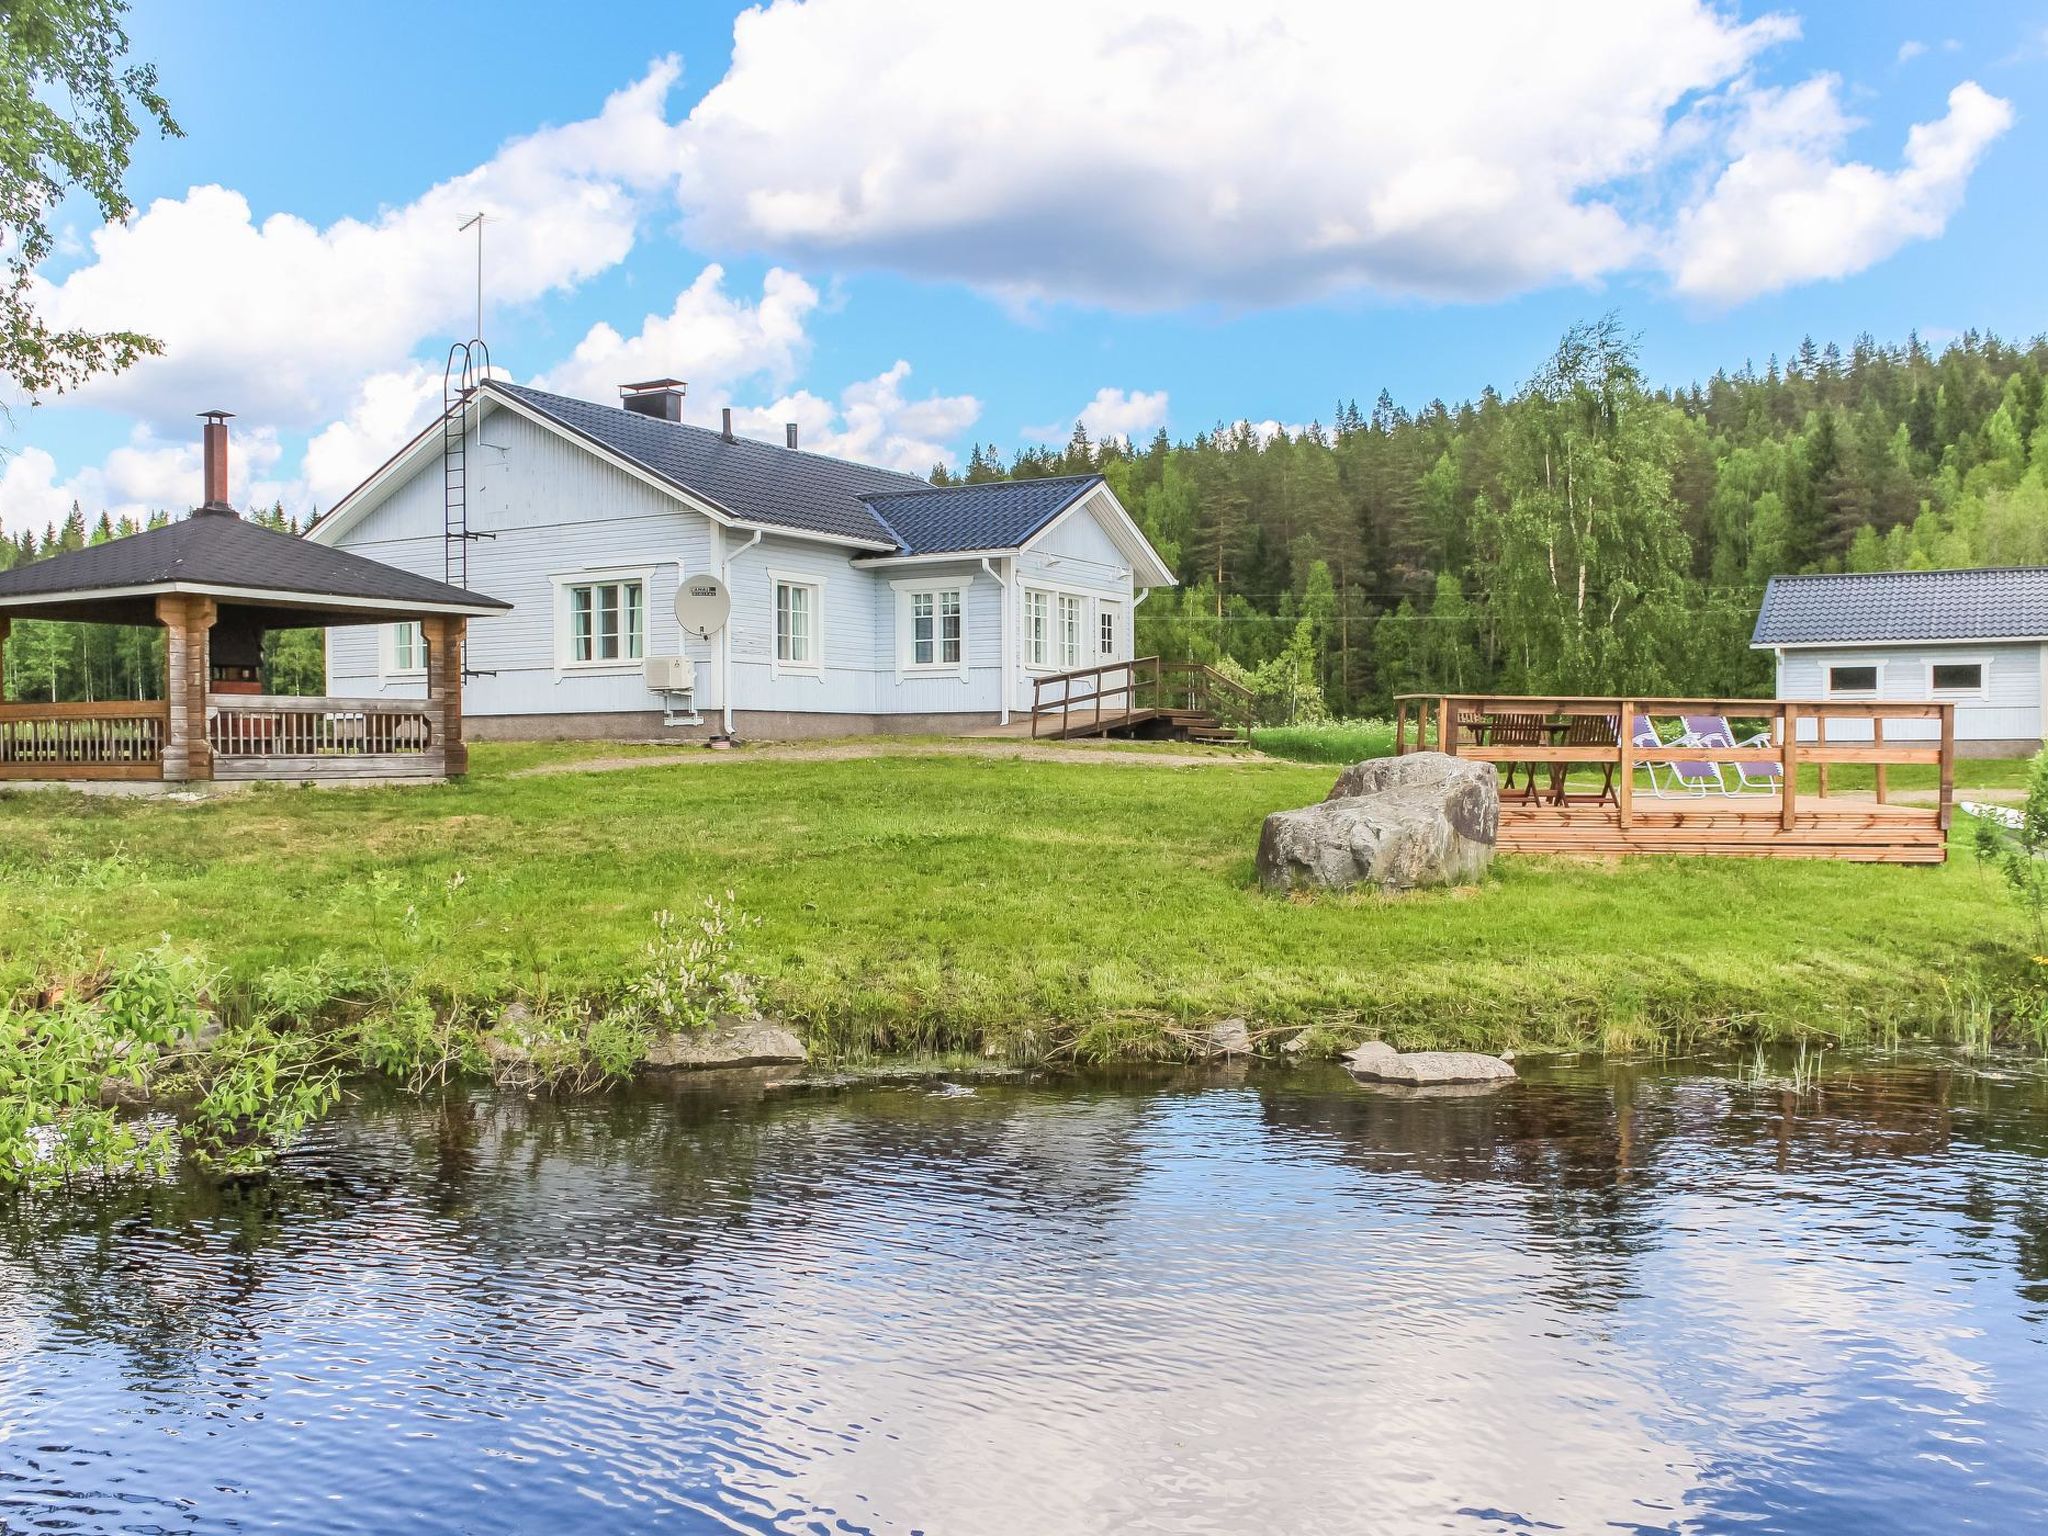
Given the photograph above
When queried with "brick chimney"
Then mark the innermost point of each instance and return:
(214, 438)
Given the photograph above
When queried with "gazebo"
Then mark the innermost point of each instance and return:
(216, 584)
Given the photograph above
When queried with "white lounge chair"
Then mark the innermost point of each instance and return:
(1688, 780)
(1750, 778)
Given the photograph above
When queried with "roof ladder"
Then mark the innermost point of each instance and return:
(469, 364)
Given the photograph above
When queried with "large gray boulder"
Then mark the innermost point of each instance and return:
(1379, 1062)
(1394, 822)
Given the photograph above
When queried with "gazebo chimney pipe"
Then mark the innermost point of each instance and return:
(215, 440)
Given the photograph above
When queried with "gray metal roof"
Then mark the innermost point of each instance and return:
(216, 549)
(810, 492)
(755, 482)
(998, 514)
(1900, 607)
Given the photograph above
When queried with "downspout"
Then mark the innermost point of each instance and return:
(1003, 654)
(725, 634)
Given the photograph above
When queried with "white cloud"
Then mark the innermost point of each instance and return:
(301, 316)
(1148, 153)
(1787, 210)
(146, 474)
(1127, 414)
(389, 408)
(1911, 49)
(873, 422)
(1153, 153)
(710, 338)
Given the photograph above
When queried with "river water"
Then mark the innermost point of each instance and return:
(1613, 1298)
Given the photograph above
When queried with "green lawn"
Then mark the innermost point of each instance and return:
(946, 902)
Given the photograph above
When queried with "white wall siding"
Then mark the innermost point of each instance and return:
(2009, 711)
(554, 511)
(1078, 557)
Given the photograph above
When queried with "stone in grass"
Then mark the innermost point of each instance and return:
(1231, 1037)
(1379, 1062)
(731, 1042)
(1397, 823)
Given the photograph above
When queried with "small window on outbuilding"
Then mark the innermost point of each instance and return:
(1852, 679)
(1958, 677)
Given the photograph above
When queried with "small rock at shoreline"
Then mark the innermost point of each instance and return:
(1380, 1063)
(1230, 1037)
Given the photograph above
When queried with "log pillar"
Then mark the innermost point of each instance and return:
(188, 622)
(6, 624)
(444, 635)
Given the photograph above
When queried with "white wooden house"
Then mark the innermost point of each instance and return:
(1976, 638)
(862, 600)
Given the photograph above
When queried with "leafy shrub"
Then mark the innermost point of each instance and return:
(257, 1091)
(692, 977)
(407, 1038)
(2020, 852)
(59, 1062)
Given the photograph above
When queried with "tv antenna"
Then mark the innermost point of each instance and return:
(476, 222)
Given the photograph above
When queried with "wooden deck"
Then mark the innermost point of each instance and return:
(1588, 779)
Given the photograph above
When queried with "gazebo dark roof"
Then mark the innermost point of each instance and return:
(216, 553)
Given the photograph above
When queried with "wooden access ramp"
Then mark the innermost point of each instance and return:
(1145, 698)
(1621, 776)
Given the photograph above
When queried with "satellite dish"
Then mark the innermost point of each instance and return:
(702, 605)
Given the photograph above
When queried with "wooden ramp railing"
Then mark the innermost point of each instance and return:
(119, 740)
(1665, 788)
(1122, 695)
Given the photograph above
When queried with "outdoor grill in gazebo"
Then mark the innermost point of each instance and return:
(217, 584)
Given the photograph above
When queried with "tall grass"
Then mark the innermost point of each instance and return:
(1334, 741)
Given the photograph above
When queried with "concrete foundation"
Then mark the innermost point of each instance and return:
(2020, 747)
(748, 725)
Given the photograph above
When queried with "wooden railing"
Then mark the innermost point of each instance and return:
(1796, 733)
(1118, 694)
(277, 736)
(121, 740)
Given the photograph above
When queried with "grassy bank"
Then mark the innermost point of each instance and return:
(1018, 906)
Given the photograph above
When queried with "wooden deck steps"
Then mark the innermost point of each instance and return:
(1753, 827)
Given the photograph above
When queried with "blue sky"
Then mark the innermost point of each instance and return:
(1028, 208)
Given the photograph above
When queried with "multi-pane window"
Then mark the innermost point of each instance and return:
(1038, 628)
(1106, 622)
(1070, 631)
(607, 621)
(796, 624)
(408, 648)
(935, 628)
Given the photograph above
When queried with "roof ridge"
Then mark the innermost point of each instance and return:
(1939, 570)
(981, 485)
(687, 426)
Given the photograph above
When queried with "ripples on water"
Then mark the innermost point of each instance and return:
(1611, 1298)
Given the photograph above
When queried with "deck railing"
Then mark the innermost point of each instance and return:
(1119, 694)
(1795, 733)
(279, 736)
(118, 740)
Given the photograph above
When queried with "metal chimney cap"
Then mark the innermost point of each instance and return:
(649, 386)
(215, 415)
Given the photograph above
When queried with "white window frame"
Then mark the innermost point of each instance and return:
(1070, 616)
(908, 591)
(1038, 604)
(1108, 630)
(815, 584)
(388, 661)
(566, 583)
(1979, 693)
(1827, 678)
